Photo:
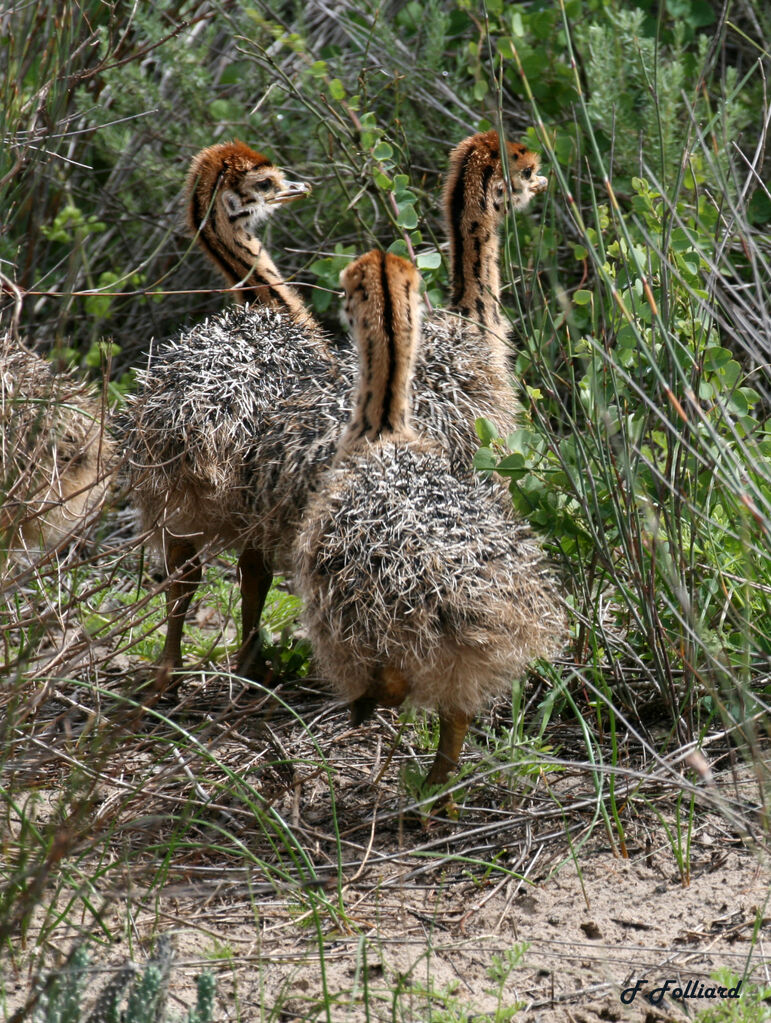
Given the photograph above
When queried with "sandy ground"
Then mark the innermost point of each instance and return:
(525, 905)
(589, 938)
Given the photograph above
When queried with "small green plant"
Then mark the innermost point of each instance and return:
(499, 971)
(679, 834)
(752, 1005)
(64, 996)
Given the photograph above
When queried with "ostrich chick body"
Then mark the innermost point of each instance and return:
(418, 584)
(57, 460)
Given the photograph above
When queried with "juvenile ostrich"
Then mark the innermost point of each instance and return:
(418, 584)
(56, 462)
(208, 396)
(236, 419)
(463, 358)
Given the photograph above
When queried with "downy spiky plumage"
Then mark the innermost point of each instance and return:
(56, 459)
(235, 420)
(418, 584)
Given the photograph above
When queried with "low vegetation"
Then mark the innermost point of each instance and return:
(638, 289)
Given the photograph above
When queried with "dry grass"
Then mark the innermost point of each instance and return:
(615, 814)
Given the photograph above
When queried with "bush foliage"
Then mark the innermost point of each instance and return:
(638, 287)
(637, 293)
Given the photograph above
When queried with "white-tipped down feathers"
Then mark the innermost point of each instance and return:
(207, 430)
(407, 568)
(57, 461)
(235, 420)
(403, 564)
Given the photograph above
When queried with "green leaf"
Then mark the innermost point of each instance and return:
(511, 463)
(399, 248)
(715, 358)
(383, 151)
(428, 260)
(679, 240)
(582, 297)
(336, 89)
(506, 48)
(480, 90)
(321, 300)
(485, 459)
(626, 337)
(730, 374)
(521, 441)
(750, 395)
(407, 218)
(486, 430)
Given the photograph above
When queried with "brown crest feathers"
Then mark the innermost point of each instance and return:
(220, 165)
(232, 190)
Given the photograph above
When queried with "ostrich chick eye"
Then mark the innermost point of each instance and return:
(264, 185)
(527, 172)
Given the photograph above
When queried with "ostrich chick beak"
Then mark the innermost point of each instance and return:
(292, 190)
(540, 184)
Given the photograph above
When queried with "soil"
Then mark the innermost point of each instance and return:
(521, 899)
(589, 938)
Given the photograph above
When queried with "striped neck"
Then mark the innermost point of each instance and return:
(246, 265)
(474, 251)
(385, 318)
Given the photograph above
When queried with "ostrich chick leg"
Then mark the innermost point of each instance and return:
(452, 732)
(256, 575)
(388, 688)
(180, 555)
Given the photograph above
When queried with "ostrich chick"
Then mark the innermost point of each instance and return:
(192, 431)
(57, 461)
(464, 353)
(476, 197)
(418, 585)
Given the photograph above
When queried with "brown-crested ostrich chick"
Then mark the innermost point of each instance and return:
(418, 584)
(206, 397)
(236, 419)
(464, 353)
(57, 461)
